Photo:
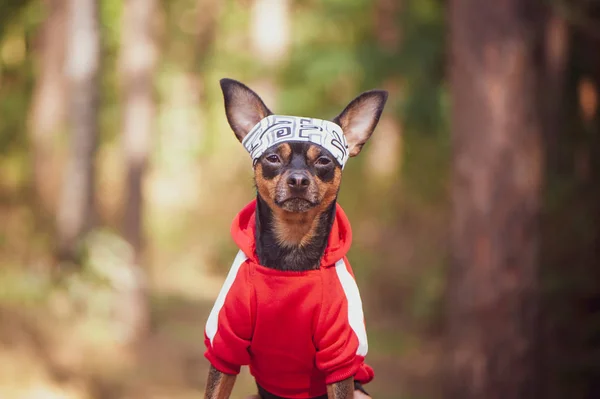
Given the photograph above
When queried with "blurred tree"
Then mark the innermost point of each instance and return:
(138, 62)
(76, 208)
(554, 79)
(497, 177)
(572, 212)
(269, 40)
(48, 103)
(383, 159)
(556, 57)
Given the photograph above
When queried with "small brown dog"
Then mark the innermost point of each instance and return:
(290, 308)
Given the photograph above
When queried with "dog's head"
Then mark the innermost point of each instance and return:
(295, 174)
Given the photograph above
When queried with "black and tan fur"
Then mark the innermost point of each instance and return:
(297, 186)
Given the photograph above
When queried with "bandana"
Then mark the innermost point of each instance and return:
(277, 129)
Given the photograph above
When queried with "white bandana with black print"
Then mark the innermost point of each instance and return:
(277, 129)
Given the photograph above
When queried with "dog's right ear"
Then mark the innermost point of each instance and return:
(243, 107)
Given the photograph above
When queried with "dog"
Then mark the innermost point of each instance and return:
(290, 307)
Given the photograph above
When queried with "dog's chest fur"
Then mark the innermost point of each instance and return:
(307, 256)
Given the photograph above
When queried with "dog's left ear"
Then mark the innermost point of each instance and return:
(243, 107)
(359, 119)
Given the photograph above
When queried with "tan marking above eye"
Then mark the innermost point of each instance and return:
(285, 152)
(313, 153)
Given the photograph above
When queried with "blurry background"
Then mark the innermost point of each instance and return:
(475, 206)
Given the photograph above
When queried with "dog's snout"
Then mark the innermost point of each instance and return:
(298, 180)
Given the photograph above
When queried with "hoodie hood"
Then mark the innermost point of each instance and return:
(243, 230)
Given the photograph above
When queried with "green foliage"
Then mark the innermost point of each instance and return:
(18, 23)
(22, 288)
(336, 54)
(325, 69)
(427, 168)
(421, 62)
(11, 12)
(110, 31)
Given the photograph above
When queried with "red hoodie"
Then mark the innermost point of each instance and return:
(298, 331)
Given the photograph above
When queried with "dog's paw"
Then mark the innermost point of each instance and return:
(253, 397)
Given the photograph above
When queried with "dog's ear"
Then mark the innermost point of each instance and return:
(243, 107)
(359, 119)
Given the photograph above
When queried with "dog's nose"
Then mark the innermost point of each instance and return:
(298, 180)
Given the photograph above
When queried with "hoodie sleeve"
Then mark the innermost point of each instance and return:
(340, 336)
(229, 326)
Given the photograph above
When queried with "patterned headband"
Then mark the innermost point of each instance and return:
(277, 129)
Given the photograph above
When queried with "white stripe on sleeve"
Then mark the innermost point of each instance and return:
(355, 311)
(212, 324)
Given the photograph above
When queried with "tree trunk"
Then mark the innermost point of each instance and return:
(385, 155)
(48, 104)
(497, 176)
(269, 38)
(555, 100)
(138, 60)
(76, 207)
(556, 56)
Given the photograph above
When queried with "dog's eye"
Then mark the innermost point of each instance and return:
(323, 161)
(273, 159)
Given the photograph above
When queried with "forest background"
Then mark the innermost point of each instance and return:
(475, 206)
